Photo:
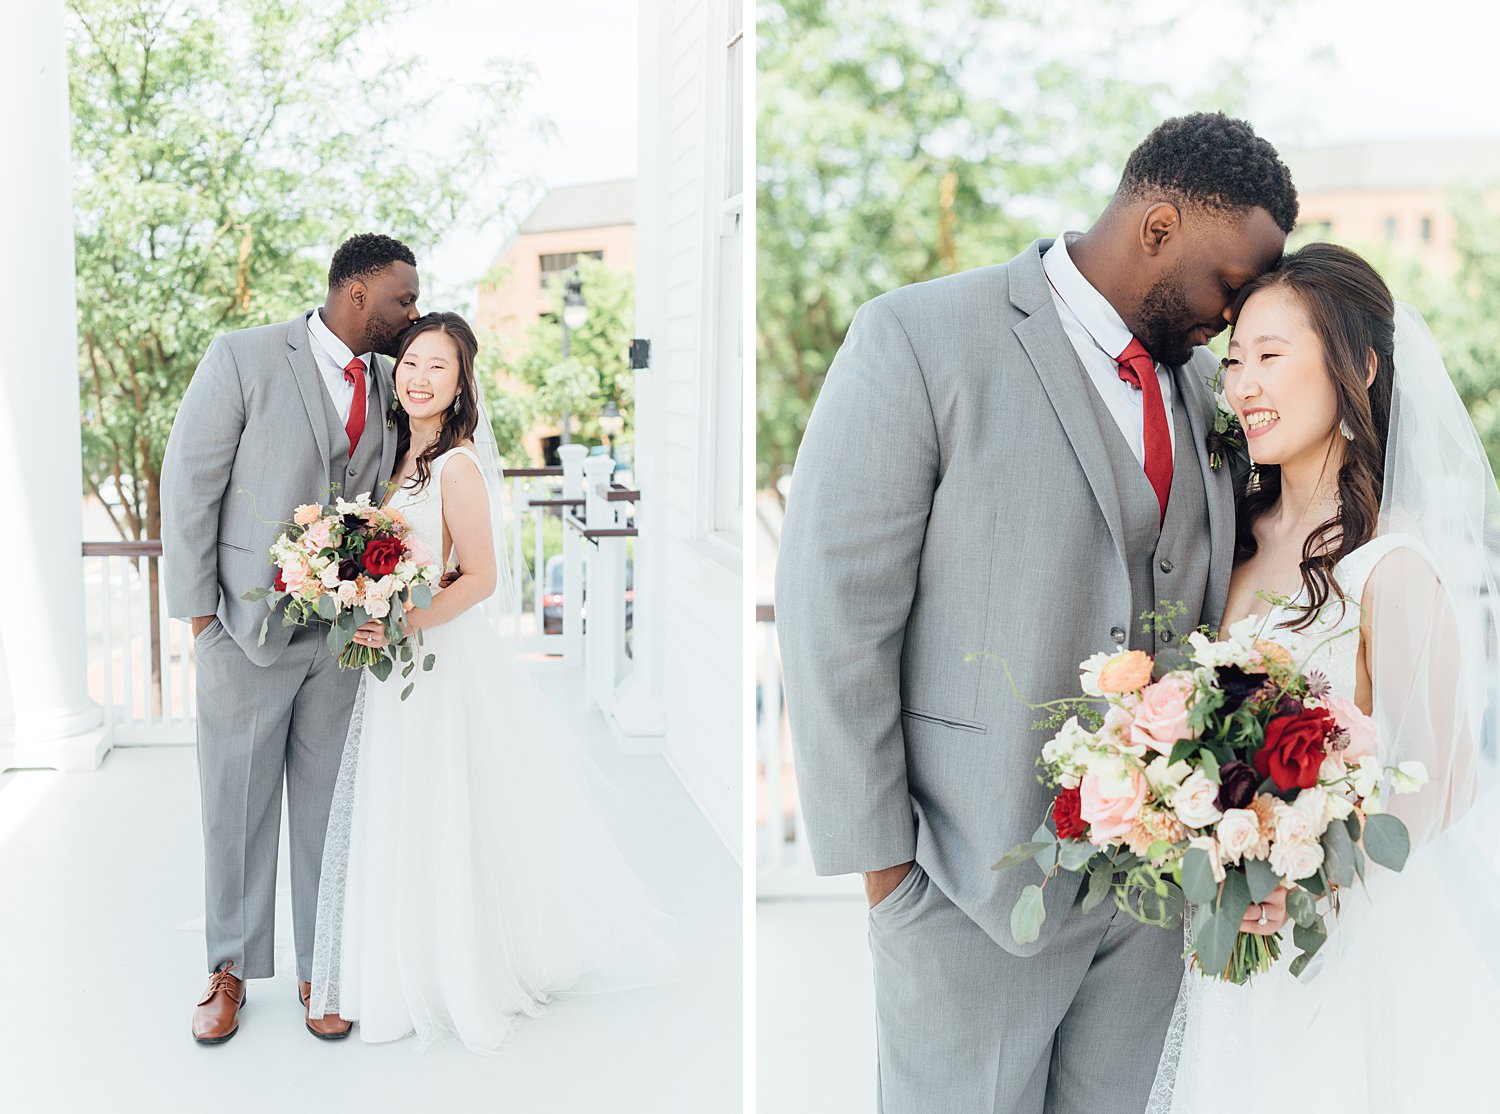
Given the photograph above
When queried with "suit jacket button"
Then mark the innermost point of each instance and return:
(1166, 566)
(1166, 636)
(1118, 634)
(351, 470)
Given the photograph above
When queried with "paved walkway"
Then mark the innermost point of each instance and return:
(101, 960)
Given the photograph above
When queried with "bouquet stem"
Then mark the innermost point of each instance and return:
(357, 656)
(1253, 955)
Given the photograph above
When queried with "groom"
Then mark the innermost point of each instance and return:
(1012, 459)
(273, 417)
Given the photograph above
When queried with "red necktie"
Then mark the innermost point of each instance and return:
(1139, 370)
(355, 374)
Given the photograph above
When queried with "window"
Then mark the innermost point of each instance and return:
(561, 262)
(726, 431)
(1390, 228)
(1426, 230)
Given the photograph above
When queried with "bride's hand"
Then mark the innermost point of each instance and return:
(1274, 908)
(372, 634)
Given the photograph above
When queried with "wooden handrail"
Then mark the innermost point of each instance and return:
(512, 473)
(148, 548)
(594, 535)
(618, 493)
(555, 502)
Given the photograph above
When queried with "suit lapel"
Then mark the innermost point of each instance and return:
(386, 387)
(1063, 378)
(309, 384)
(1218, 487)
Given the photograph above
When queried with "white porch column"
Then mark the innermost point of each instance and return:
(41, 622)
(572, 555)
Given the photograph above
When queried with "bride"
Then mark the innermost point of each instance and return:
(1362, 549)
(466, 877)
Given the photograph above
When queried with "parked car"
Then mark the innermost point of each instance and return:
(552, 596)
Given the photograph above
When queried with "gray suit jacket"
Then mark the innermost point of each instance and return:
(249, 443)
(952, 494)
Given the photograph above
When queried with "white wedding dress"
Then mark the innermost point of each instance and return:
(467, 877)
(1398, 1012)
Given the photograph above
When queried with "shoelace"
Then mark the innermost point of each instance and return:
(223, 979)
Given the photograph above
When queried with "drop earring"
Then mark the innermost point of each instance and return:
(1345, 430)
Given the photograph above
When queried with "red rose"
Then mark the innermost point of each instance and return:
(1065, 815)
(1294, 748)
(382, 555)
(280, 583)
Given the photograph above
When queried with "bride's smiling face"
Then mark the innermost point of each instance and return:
(1277, 381)
(427, 379)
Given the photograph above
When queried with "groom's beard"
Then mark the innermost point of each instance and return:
(384, 337)
(1167, 324)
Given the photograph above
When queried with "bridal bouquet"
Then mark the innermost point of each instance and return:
(346, 564)
(1214, 784)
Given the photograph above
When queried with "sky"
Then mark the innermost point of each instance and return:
(584, 54)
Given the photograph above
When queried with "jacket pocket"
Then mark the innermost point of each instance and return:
(946, 721)
(231, 545)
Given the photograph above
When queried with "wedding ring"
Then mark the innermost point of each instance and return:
(1263, 918)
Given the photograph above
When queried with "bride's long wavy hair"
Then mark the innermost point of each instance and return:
(1351, 310)
(460, 419)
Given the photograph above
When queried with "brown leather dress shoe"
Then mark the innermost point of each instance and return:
(217, 1016)
(329, 1027)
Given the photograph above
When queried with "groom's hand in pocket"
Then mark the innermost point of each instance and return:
(880, 883)
(200, 624)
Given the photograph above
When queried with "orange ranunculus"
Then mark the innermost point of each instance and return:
(1273, 653)
(307, 514)
(1127, 672)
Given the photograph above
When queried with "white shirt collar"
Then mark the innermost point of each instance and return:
(1092, 309)
(331, 344)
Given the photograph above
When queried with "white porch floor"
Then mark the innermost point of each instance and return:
(101, 960)
(815, 1007)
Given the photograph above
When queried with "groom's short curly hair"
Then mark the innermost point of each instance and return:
(364, 255)
(1216, 161)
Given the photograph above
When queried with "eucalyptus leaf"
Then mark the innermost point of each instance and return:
(1234, 897)
(1263, 880)
(1074, 854)
(407, 691)
(1301, 906)
(256, 594)
(1019, 854)
(1027, 916)
(381, 667)
(1300, 964)
(265, 625)
(1198, 877)
(1359, 862)
(1338, 855)
(421, 595)
(326, 608)
(1047, 857)
(1099, 882)
(428, 662)
(1214, 935)
(1310, 937)
(1387, 841)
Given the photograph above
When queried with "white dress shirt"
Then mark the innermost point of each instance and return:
(333, 357)
(1099, 336)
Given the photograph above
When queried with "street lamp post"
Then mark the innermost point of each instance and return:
(575, 312)
(611, 423)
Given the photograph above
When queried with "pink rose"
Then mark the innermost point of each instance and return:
(417, 550)
(1161, 720)
(1110, 798)
(295, 577)
(317, 536)
(1361, 728)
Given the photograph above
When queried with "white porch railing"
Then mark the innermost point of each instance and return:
(140, 663)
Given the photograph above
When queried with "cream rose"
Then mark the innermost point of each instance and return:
(1239, 836)
(1195, 801)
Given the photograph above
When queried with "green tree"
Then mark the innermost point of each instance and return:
(596, 371)
(901, 142)
(221, 151)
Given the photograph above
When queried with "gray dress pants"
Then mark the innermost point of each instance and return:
(260, 727)
(964, 1027)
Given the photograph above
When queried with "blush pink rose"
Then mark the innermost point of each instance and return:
(1161, 719)
(1110, 800)
(1361, 728)
(317, 536)
(295, 577)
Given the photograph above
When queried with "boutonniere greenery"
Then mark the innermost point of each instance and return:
(391, 411)
(1226, 438)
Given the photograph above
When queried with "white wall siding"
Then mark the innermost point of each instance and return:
(698, 582)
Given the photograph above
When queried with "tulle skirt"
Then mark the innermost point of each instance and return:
(1398, 1012)
(468, 877)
